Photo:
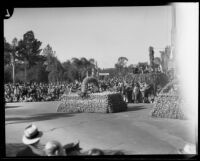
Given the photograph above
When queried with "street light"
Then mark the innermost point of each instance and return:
(13, 67)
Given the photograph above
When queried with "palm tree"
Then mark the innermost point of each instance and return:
(85, 64)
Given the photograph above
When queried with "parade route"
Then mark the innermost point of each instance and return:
(134, 131)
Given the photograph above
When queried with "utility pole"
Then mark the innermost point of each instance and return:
(13, 67)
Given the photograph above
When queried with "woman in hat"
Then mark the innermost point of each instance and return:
(31, 138)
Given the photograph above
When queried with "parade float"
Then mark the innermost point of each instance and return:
(169, 103)
(103, 102)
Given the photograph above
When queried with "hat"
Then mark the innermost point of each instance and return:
(31, 135)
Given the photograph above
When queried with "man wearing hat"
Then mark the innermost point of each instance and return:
(31, 138)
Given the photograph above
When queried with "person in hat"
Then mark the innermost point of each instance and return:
(31, 139)
(54, 148)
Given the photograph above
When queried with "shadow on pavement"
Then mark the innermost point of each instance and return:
(12, 106)
(38, 117)
(135, 108)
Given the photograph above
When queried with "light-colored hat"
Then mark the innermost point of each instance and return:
(31, 135)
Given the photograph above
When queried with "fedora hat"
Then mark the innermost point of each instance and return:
(31, 135)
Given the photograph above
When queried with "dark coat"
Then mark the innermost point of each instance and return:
(27, 152)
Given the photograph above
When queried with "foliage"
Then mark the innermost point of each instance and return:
(165, 57)
(53, 65)
(150, 78)
(121, 65)
(19, 77)
(151, 57)
(27, 61)
(86, 81)
(37, 73)
(169, 103)
(7, 50)
(7, 74)
(78, 69)
(29, 49)
(105, 102)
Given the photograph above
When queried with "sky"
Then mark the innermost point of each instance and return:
(102, 33)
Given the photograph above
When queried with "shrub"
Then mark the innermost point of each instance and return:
(169, 103)
(106, 102)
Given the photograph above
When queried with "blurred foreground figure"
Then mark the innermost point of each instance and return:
(54, 148)
(31, 138)
(72, 149)
(188, 149)
(95, 152)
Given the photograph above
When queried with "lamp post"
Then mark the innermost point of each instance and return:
(13, 67)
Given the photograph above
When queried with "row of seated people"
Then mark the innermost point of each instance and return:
(34, 148)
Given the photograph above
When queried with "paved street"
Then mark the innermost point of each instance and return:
(133, 131)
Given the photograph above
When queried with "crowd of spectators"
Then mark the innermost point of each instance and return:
(37, 92)
(41, 92)
(34, 92)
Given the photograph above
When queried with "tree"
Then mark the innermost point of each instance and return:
(121, 64)
(151, 57)
(83, 66)
(29, 51)
(7, 50)
(142, 66)
(157, 63)
(37, 73)
(76, 65)
(50, 58)
(53, 65)
(93, 66)
(165, 57)
(10, 52)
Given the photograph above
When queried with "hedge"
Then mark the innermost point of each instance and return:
(106, 102)
(169, 103)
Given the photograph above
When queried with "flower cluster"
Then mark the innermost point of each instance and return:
(105, 102)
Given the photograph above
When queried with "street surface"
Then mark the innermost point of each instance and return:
(133, 131)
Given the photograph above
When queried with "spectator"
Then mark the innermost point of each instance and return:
(95, 151)
(31, 139)
(54, 148)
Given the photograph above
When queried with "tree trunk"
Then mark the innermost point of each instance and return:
(25, 69)
(13, 73)
(25, 72)
(13, 68)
